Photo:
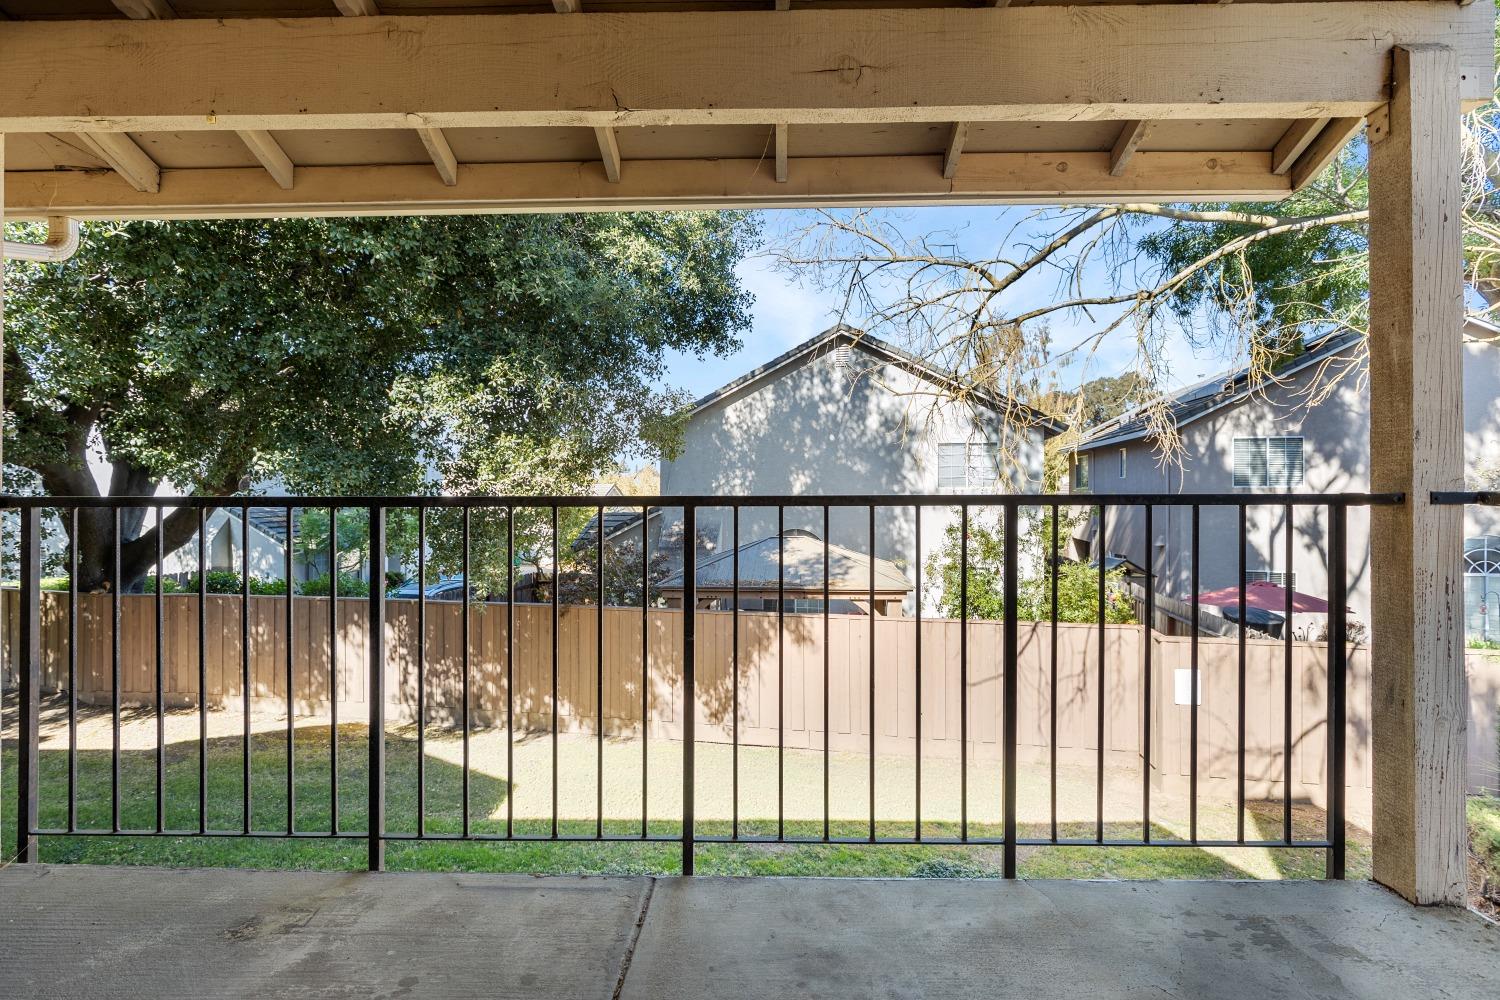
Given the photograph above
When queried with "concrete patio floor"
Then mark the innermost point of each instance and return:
(82, 932)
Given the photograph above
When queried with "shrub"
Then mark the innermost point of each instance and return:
(349, 586)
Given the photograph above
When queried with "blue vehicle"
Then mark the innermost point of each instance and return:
(448, 588)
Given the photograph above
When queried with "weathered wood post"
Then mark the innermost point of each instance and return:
(1419, 696)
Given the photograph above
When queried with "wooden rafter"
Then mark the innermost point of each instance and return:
(567, 6)
(609, 153)
(956, 139)
(357, 8)
(1323, 149)
(125, 158)
(666, 184)
(271, 156)
(1286, 60)
(1294, 143)
(146, 10)
(782, 152)
(441, 153)
(1132, 134)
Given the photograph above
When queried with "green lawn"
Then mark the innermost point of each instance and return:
(487, 810)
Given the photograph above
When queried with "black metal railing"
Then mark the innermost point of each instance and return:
(683, 829)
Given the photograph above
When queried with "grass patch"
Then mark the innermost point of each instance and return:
(1484, 853)
(313, 803)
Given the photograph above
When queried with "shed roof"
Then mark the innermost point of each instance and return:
(848, 570)
(201, 108)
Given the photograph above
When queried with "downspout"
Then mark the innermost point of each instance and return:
(61, 243)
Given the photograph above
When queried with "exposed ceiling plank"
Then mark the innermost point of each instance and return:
(528, 187)
(146, 10)
(358, 8)
(781, 153)
(1294, 142)
(441, 153)
(609, 152)
(1323, 149)
(956, 139)
(1132, 134)
(125, 158)
(1285, 60)
(271, 156)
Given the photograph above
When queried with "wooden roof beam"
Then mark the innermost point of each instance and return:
(1294, 143)
(125, 158)
(956, 139)
(609, 153)
(1323, 150)
(987, 178)
(1132, 134)
(1286, 60)
(567, 6)
(781, 152)
(441, 153)
(271, 156)
(358, 8)
(146, 10)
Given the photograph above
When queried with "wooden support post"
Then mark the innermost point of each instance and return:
(1419, 696)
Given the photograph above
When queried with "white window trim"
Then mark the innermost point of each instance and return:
(1234, 442)
(972, 450)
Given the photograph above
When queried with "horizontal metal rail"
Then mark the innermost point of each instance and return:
(481, 674)
(1485, 498)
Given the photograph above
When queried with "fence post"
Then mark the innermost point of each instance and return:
(375, 637)
(1011, 684)
(30, 684)
(1338, 666)
(689, 687)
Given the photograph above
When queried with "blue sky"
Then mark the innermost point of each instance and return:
(787, 312)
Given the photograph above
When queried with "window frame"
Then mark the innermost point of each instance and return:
(1265, 440)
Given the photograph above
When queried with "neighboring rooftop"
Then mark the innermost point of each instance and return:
(848, 570)
(1212, 394)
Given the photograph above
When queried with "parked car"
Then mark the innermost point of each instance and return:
(448, 588)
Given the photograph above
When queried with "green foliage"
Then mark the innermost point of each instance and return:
(504, 353)
(349, 586)
(1077, 583)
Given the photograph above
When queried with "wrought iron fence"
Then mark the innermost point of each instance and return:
(683, 828)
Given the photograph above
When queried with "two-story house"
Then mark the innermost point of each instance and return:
(845, 413)
(1304, 431)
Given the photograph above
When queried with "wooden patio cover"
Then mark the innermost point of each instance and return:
(190, 108)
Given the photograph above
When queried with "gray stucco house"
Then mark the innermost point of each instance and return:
(1295, 435)
(847, 413)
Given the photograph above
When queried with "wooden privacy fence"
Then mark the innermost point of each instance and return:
(798, 658)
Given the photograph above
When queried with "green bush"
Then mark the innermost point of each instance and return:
(349, 586)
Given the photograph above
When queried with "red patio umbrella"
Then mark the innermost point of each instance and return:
(1265, 596)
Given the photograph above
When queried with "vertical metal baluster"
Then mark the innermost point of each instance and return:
(1286, 681)
(202, 672)
(689, 687)
(115, 679)
(645, 673)
(72, 672)
(291, 704)
(161, 722)
(422, 676)
(872, 672)
(780, 672)
(465, 597)
(963, 673)
(1338, 666)
(826, 809)
(1194, 678)
(734, 739)
(1146, 680)
(1011, 682)
(1103, 656)
(1244, 543)
(1052, 706)
(30, 678)
(377, 579)
(917, 603)
(599, 689)
(376, 825)
(510, 671)
(555, 631)
(245, 818)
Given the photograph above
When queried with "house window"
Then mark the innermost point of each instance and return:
(1122, 463)
(966, 465)
(1288, 580)
(1268, 462)
(1081, 472)
(1482, 587)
